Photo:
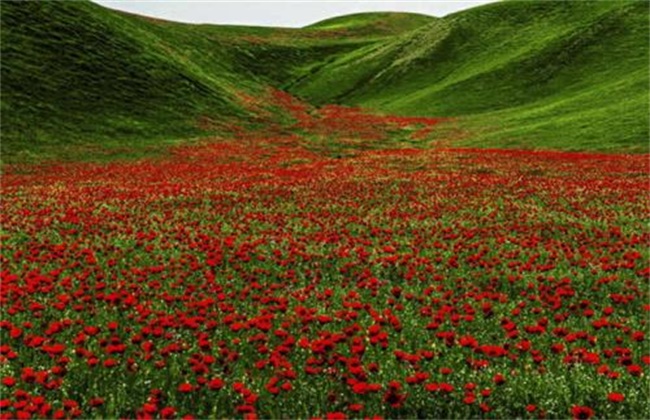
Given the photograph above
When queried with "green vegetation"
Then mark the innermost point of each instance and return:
(570, 75)
(74, 73)
(79, 80)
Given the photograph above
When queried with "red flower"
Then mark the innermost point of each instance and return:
(638, 335)
(109, 363)
(432, 387)
(557, 348)
(149, 408)
(9, 381)
(446, 388)
(245, 408)
(615, 397)
(634, 370)
(168, 413)
(393, 395)
(216, 384)
(185, 387)
(499, 379)
(355, 408)
(581, 412)
(469, 399)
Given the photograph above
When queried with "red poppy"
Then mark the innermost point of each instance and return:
(185, 387)
(615, 397)
(9, 381)
(499, 379)
(216, 384)
(581, 412)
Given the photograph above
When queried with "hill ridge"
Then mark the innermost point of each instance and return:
(511, 74)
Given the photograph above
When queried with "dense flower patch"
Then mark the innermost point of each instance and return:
(258, 277)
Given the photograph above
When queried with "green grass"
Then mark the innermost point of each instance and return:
(75, 73)
(82, 81)
(568, 75)
(375, 22)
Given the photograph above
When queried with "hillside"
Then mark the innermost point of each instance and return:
(81, 80)
(79, 77)
(76, 73)
(283, 57)
(521, 72)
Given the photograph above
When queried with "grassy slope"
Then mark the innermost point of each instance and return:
(526, 74)
(283, 56)
(79, 79)
(75, 73)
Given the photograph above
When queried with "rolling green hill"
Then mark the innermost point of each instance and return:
(570, 75)
(75, 73)
(81, 80)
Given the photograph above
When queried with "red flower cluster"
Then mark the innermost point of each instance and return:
(265, 276)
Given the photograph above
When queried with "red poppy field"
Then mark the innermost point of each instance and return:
(327, 270)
